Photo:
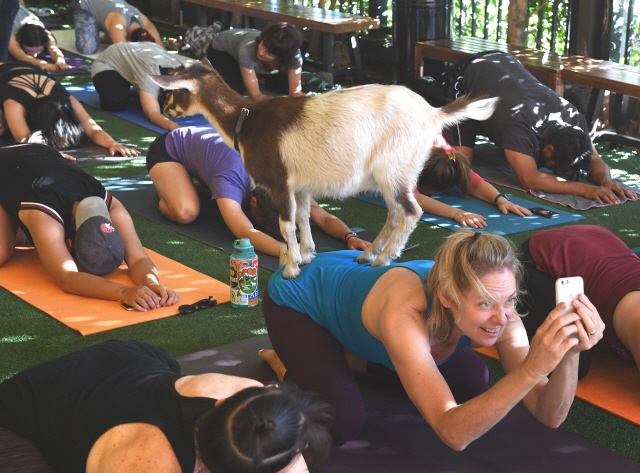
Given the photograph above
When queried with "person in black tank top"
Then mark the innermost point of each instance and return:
(73, 407)
(33, 102)
(42, 193)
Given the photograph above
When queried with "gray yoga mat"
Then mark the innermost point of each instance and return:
(140, 196)
(396, 438)
(490, 162)
(94, 155)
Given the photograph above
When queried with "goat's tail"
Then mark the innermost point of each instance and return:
(465, 108)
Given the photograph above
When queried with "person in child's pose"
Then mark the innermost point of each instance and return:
(418, 317)
(446, 169)
(177, 157)
(29, 39)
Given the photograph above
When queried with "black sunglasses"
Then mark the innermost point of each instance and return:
(200, 305)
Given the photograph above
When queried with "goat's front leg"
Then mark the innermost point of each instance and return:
(286, 204)
(409, 212)
(303, 213)
(371, 253)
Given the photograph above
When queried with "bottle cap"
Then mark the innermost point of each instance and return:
(244, 244)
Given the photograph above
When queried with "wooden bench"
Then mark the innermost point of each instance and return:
(327, 22)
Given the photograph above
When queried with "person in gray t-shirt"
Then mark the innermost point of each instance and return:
(116, 18)
(122, 65)
(246, 58)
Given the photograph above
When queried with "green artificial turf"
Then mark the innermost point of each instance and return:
(28, 336)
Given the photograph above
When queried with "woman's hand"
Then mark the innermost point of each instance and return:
(355, 243)
(470, 219)
(47, 66)
(62, 65)
(506, 206)
(115, 147)
(141, 298)
(167, 296)
(590, 323)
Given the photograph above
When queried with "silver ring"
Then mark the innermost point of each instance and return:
(591, 334)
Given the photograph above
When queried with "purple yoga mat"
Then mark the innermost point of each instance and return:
(396, 439)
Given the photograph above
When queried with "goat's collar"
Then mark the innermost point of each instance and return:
(243, 114)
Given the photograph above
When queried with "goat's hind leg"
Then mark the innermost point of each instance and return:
(303, 213)
(371, 253)
(409, 213)
(286, 204)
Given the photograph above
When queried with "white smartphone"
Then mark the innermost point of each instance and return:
(567, 290)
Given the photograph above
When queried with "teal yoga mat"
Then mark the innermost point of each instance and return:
(496, 222)
(133, 112)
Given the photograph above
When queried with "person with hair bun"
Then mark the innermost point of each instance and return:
(125, 406)
(445, 169)
(29, 39)
(246, 58)
(420, 318)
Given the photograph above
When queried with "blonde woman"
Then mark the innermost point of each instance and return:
(419, 318)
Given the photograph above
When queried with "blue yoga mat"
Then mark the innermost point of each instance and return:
(133, 112)
(496, 222)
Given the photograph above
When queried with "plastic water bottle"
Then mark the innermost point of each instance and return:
(244, 275)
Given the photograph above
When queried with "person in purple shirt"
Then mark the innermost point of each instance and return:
(176, 157)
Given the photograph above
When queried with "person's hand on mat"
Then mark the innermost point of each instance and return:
(470, 219)
(506, 206)
(47, 66)
(62, 65)
(602, 195)
(141, 298)
(620, 190)
(356, 243)
(591, 326)
(167, 296)
(115, 147)
(68, 156)
(553, 339)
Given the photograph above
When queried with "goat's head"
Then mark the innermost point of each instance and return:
(185, 85)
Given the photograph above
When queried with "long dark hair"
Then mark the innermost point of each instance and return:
(283, 41)
(54, 117)
(32, 36)
(443, 171)
(261, 430)
(140, 34)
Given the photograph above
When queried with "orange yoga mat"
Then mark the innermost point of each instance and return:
(612, 384)
(24, 276)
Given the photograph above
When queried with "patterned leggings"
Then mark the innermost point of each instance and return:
(87, 31)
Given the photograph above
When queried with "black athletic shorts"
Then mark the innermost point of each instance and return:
(157, 152)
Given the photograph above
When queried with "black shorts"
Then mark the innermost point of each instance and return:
(157, 152)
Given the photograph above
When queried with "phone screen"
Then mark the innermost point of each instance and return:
(544, 212)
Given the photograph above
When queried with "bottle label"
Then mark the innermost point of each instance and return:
(244, 282)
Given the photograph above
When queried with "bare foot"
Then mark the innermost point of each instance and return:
(276, 365)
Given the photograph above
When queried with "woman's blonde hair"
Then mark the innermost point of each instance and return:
(459, 265)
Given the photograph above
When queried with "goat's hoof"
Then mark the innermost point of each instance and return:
(291, 271)
(380, 262)
(365, 258)
(307, 258)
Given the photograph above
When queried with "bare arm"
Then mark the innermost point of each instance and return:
(441, 209)
(332, 225)
(97, 134)
(251, 82)
(295, 86)
(151, 28)
(242, 227)
(600, 175)
(531, 178)
(151, 109)
(19, 55)
(488, 193)
(56, 54)
(16, 117)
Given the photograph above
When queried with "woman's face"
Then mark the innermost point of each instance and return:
(264, 55)
(33, 50)
(483, 321)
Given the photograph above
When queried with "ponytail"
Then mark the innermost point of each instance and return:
(443, 171)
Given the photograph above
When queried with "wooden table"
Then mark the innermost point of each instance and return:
(545, 66)
(328, 22)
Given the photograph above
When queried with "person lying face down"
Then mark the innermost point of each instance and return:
(79, 230)
(30, 39)
(535, 127)
(33, 103)
(125, 406)
(446, 169)
(611, 274)
(419, 319)
(175, 158)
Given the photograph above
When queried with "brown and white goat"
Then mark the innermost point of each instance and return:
(335, 145)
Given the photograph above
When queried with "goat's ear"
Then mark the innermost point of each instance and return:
(174, 82)
(207, 64)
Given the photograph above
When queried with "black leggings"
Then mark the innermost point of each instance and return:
(113, 90)
(229, 69)
(316, 362)
(539, 300)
